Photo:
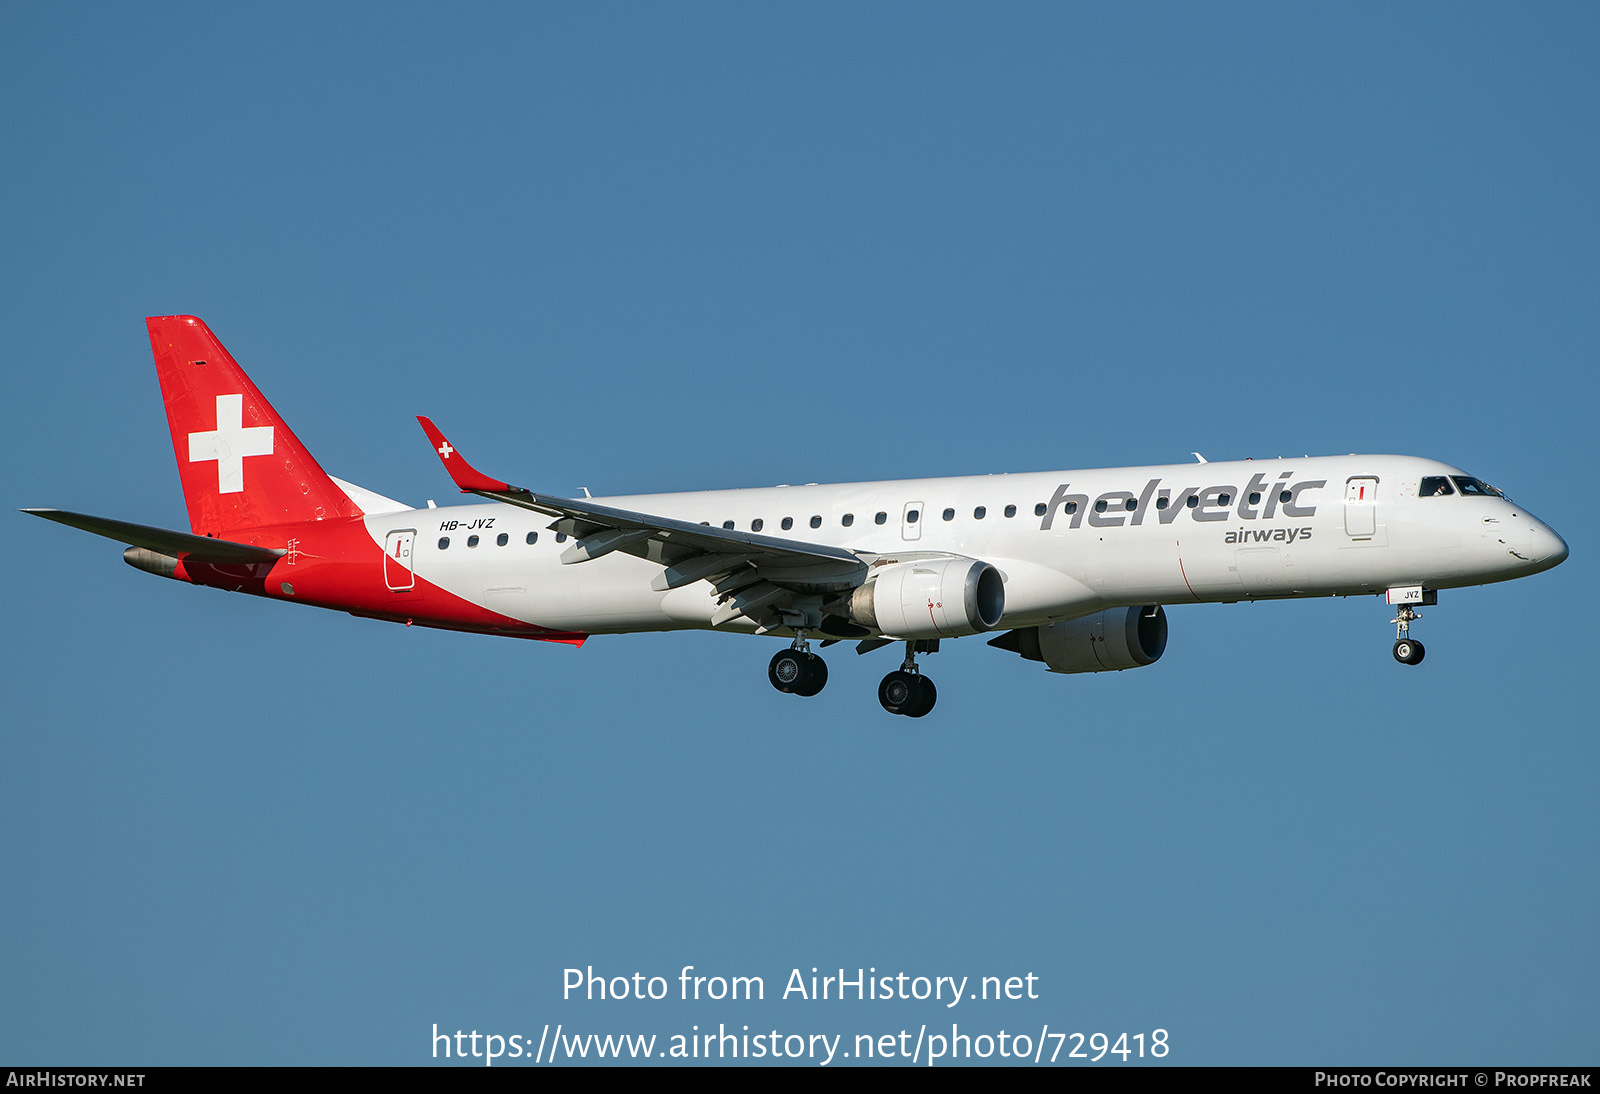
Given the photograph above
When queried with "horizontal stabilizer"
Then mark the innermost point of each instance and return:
(200, 548)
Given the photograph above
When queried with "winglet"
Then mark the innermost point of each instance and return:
(467, 477)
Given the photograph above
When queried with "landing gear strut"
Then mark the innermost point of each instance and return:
(1407, 650)
(906, 691)
(797, 670)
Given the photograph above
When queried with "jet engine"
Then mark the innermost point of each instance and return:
(938, 598)
(1117, 638)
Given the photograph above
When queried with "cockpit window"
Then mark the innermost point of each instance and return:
(1435, 486)
(1472, 488)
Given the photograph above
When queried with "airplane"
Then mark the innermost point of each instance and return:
(1071, 569)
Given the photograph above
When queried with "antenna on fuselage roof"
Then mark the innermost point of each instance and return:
(1198, 457)
(585, 490)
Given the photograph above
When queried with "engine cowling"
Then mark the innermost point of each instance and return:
(1112, 640)
(939, 598)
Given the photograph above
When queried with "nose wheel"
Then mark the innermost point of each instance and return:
(906, 691)
(797, 670)
(1407, 650)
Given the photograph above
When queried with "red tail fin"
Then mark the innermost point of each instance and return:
(241, 466)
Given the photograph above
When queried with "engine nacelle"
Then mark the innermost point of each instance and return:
(1117, 638)
(940, 598)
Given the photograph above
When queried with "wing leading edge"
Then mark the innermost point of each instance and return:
(763, 577)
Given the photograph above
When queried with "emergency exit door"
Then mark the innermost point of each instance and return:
(911, 521)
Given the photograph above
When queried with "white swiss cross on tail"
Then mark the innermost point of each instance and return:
(230, 443)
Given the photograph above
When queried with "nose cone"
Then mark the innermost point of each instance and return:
(1547, 548)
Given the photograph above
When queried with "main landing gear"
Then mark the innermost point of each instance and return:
(797, 670)
(1407, 650)
(906, 691)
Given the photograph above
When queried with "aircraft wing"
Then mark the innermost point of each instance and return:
(688, 551)
(178, 544)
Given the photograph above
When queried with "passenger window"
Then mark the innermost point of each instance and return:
(847, 520)
(1100, 506)
(444, 541)
(1192, 502)
(816, 522)
(788, 523)
(979, 513)
(1130, 505)
(501, 540)
(949, 514)
(1224, 499)
(728, 524)
(1161, 503)
(880, 518)
(472, 541)
(1255, 497)
(1038, 510)
(1070, 508)
(1283, 498)
(1011, 510)
(561, 537)
(912, 515)
(1435, 486)
(757, 524)
(533, 537)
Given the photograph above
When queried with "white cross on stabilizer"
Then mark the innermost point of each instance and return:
(445, 450)
(230, 443)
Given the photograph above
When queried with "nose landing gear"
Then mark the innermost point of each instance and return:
(797, 670)
(1407, 650)
(906, 691)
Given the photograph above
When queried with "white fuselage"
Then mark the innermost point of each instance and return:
(1067, 543)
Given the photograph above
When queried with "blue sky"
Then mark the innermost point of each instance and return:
(639, 248)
